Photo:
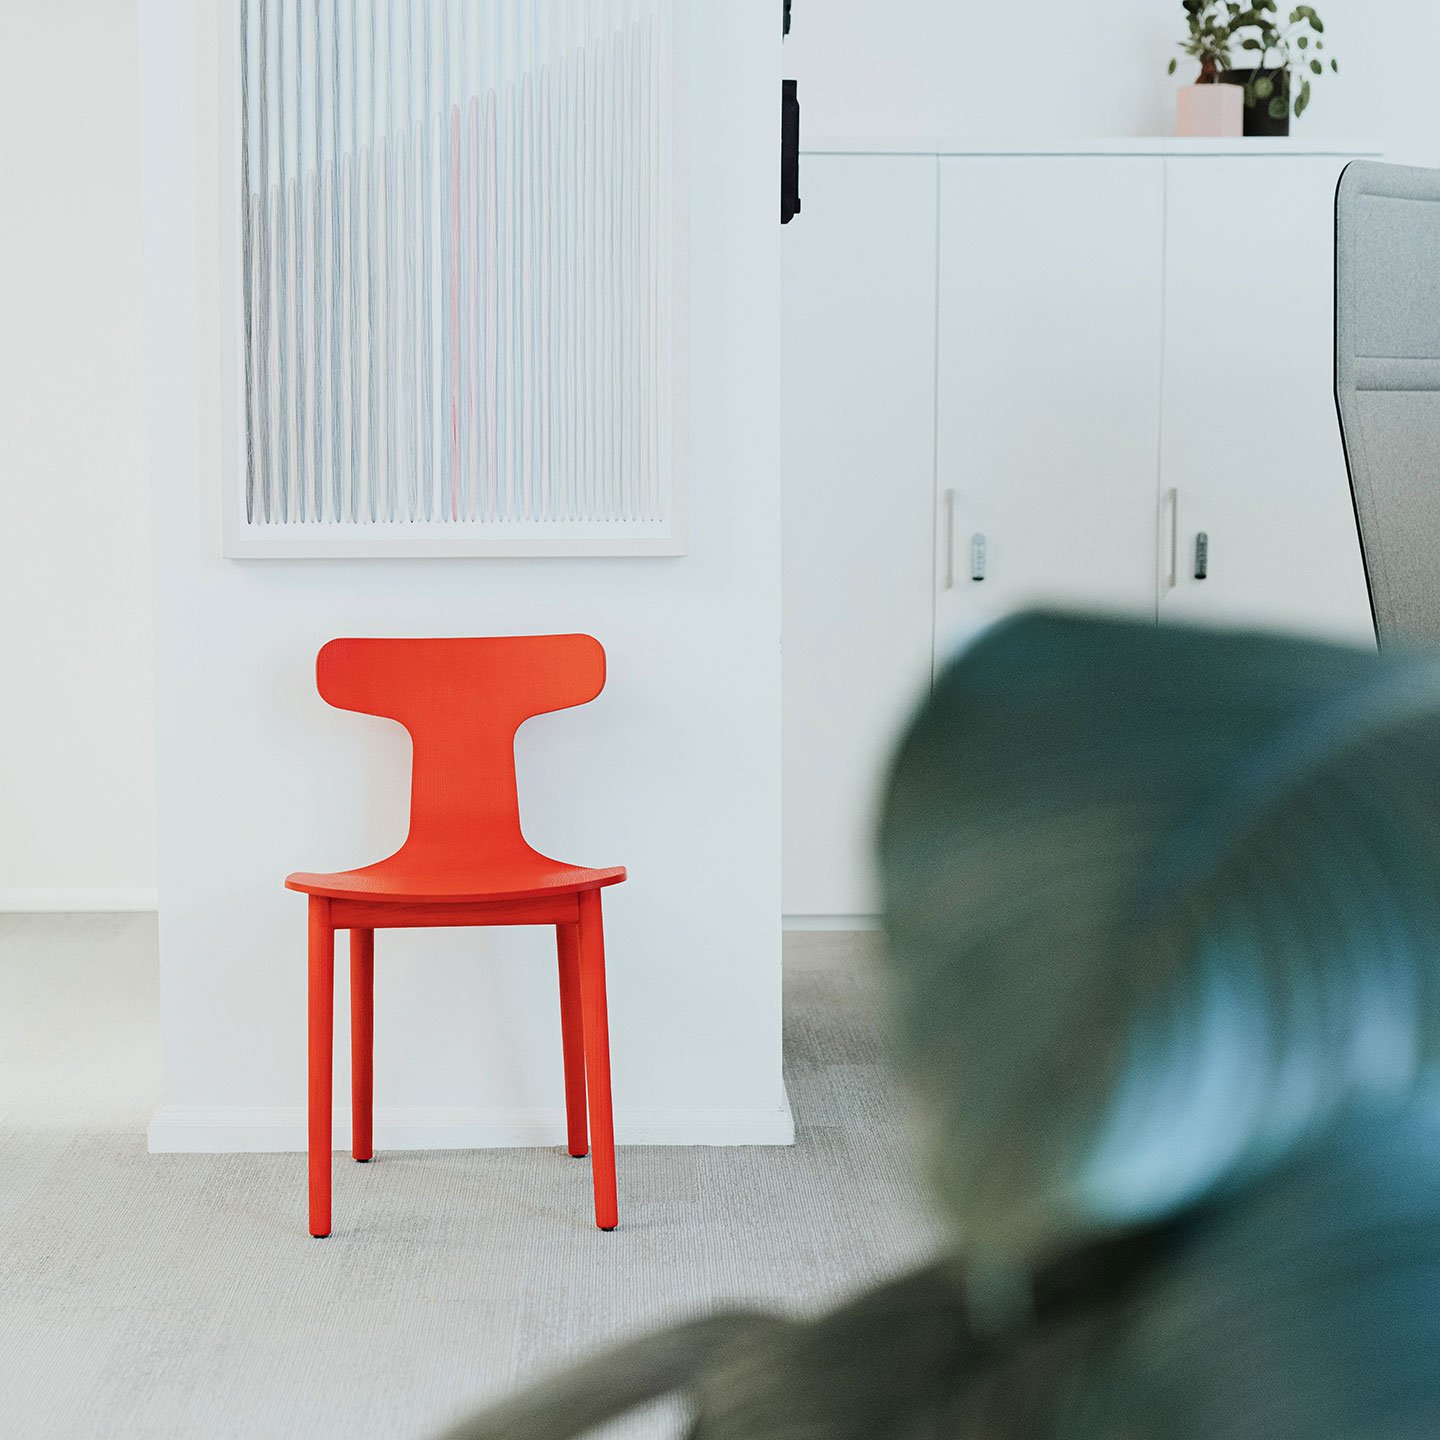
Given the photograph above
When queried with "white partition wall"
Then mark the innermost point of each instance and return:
(673, 772)
(76, 768)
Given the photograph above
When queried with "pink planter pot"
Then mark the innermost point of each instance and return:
(1210, 110)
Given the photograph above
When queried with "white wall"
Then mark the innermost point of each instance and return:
(75, 738)
(76, 770)
(941, 68)
(673, 772)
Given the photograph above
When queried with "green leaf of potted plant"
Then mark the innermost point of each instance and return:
(1284, 56)
(1207, 107)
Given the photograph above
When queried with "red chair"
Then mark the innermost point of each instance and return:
(465, 862)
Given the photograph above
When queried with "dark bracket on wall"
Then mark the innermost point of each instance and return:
(789, 142)
(790, 154)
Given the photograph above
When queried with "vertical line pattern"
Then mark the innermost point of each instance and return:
(456, 264)
(247, 278)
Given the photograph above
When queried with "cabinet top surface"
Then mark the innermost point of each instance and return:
(1139, 145)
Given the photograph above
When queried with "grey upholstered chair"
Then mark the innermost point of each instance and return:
(1387, 385)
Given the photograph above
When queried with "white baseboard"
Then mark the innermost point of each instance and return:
(236, 1129)
(831, 922)
(52, 902)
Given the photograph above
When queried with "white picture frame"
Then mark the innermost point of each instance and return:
(246, 538)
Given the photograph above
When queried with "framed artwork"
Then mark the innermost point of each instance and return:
(454, 269)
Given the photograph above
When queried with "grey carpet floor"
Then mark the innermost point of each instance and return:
(177, 1296)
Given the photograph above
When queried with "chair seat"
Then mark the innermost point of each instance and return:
(402, 878)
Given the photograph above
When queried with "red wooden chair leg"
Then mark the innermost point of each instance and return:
(597, 1059)
(362, 1043)
(322, 1053)
(572, 1034)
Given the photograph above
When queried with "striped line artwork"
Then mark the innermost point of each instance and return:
(457, 265)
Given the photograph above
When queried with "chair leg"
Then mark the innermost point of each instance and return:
(572, 1035)
(597, 1059)
(322, 1058)
(362, 1043)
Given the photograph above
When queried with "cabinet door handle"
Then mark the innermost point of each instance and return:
(1172, 500)
(949, 539)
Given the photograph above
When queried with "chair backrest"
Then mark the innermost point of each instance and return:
(1387, 385)
(462, 701)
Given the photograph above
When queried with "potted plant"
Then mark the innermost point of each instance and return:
(1208, 107)
(1285, 57)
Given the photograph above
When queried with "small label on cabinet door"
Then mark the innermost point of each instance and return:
(977, 558)
(1202, 556)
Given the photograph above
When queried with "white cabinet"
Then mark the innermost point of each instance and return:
(1055, 371)
(1252, 457)
(859, 486)
(1051, 281)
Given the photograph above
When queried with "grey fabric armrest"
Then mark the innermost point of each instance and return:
(1387, 385)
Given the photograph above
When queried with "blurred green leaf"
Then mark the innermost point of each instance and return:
(1278, 108)
(1124, 717)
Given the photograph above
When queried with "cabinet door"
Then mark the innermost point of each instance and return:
(1049, 387)
(1252, 458)
(859, 426)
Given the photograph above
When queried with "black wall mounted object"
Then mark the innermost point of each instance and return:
(789, 141)
(790, 154)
